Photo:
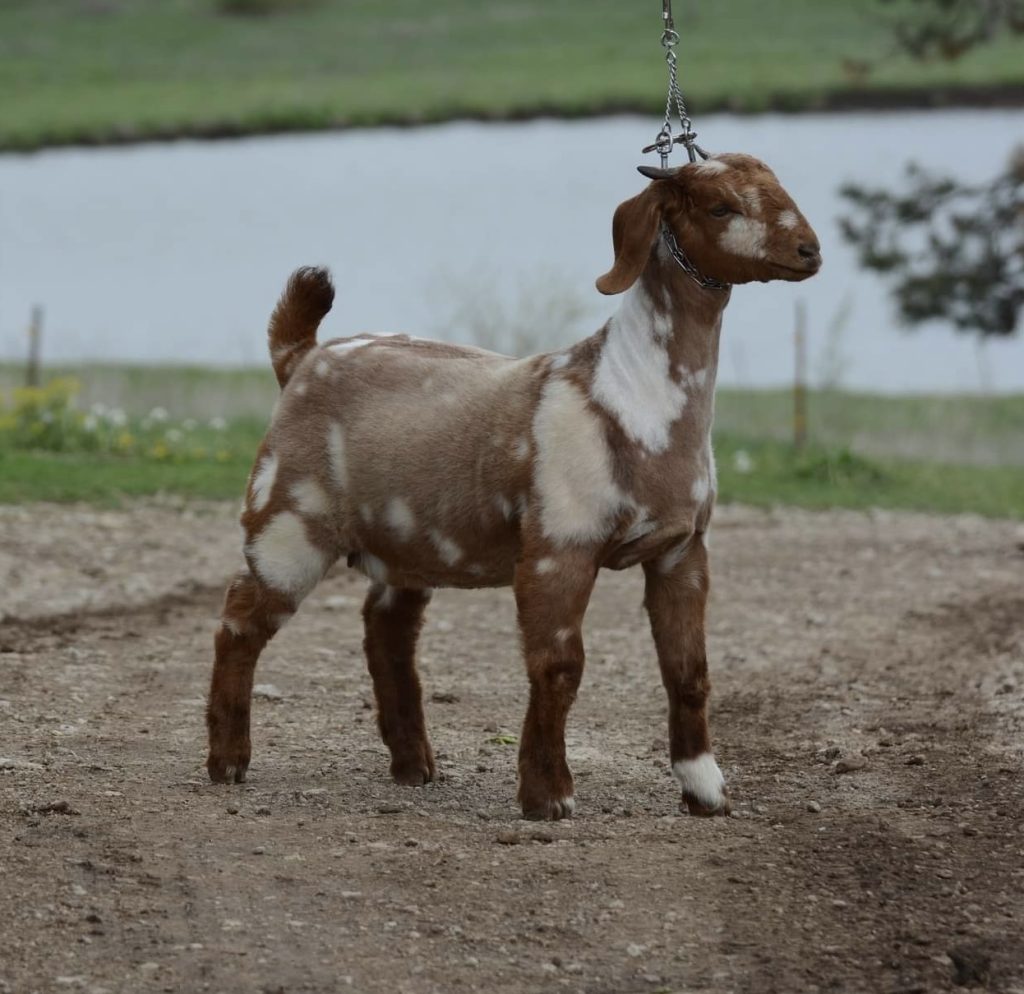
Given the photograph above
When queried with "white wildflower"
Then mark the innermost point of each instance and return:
(159, 414)
(218, 424)
(742, 462)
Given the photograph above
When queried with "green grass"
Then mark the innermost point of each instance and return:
(112, 70)
(772, 473)
(945, 454)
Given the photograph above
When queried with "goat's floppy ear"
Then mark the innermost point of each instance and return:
(633, 229)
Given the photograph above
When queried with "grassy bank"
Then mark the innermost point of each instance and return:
(115, 71)
(193, 432)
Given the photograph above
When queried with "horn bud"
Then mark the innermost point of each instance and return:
(653, 172)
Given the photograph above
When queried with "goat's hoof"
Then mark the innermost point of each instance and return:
(227, 770)
(414, 772)
(553, 810)
(698, 809)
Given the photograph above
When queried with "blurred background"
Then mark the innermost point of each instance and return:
(165, 164)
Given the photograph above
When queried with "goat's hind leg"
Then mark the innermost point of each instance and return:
(675, 597)
(393, 617)
(252, 613)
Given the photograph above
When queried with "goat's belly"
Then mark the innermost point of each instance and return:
(438, 560)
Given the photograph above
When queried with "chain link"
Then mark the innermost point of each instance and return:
(683, 261)
(674, 100)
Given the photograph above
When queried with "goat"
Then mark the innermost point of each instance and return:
(435, 465)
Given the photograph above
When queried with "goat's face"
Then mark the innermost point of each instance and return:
(729, 214)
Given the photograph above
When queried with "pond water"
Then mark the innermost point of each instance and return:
(177, 252)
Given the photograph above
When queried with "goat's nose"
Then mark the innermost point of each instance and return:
(809, 250)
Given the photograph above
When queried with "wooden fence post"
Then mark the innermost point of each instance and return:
(35, 335)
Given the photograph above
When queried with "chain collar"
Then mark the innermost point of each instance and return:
(685, 265)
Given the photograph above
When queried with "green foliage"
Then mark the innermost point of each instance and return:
(952, 252)
(47, 419)
(947, 29)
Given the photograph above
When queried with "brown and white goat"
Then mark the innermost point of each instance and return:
(433, 465)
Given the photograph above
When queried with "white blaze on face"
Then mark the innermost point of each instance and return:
(284, 557)
(573, 467)
(400, 518)
(263, 481)
(632, 380)
(788, 220)
(744, 236)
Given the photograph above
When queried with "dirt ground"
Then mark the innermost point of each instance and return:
(887, 646)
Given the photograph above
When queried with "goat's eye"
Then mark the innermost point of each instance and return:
(721, 210)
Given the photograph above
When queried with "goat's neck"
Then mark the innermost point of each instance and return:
(694, 313)
(658, 359)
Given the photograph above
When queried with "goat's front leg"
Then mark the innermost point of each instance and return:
(675, 597)
(393, 617)
(551, 596)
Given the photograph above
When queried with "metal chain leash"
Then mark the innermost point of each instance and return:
(687, 136)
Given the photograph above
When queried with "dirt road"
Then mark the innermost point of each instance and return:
(889, 644)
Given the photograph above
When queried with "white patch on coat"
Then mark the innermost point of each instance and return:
(564, 634)
(400, 518)
(522, 448)
(322, 367)
(310, 498)
(711, 166)
(560, 360)
(231, 626)
(284, 557)
(788, 219)
(504, 506)
(383, 596)
(668, 561)
(300, 388)
(632, 380)
(263, 481)
(694, 380)
(366, 513)
(700, 489)
(642, 525)
(701, 778)
(373, 567)
(336, 455)
(544, 565)
(743, 236)
(350, 344)
(449, 552)
(572, 467)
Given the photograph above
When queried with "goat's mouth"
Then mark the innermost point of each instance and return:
(795, 274)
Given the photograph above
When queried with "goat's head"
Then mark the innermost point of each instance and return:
(729, 214)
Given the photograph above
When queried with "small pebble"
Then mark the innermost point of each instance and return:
(233, 809)
(263, 810)
(814, 807)
(508, 838)
(917, 760)
(267, 691)
(259, 851)
(389, 808)
(850, 764)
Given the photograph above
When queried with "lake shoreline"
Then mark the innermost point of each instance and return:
(840, 100)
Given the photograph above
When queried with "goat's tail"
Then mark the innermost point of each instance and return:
(292, 331)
